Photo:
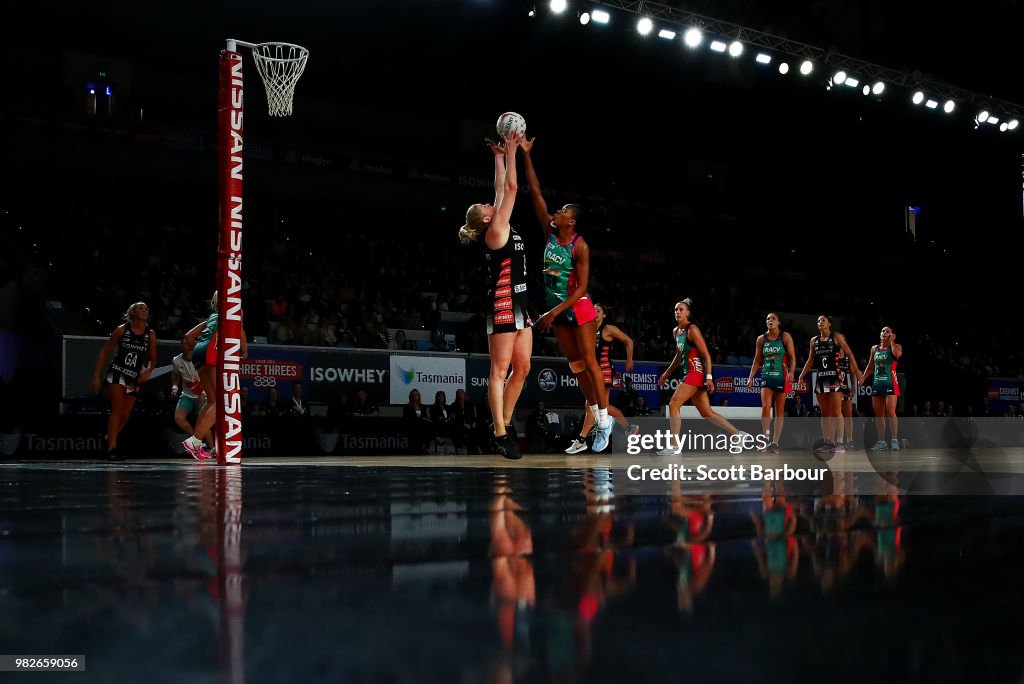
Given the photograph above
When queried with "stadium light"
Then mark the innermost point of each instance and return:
(718, 46)
(878, 88)
(784, 68)
(1003, 126)
(931, 104)
(852, 82)
(584, 18)
(807, 67)
(993, 120)
(762, 58)
(949, 106)
(666, 34)
(600, 16)
(693, 37)
(736, 48)
(644, 26)
(918, 97)
(866, 90)
(558, 6)
(839, 78)
(983, 116)
(1012, 124)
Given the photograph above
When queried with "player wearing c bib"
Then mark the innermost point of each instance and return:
(885, 387)
(823, 356)
(774, 355)
(566, 277)
(697, 382)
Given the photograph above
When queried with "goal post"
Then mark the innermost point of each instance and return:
(280, 65)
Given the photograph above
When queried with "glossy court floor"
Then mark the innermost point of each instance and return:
(479, 570)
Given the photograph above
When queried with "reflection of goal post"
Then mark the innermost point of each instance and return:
(280, 65)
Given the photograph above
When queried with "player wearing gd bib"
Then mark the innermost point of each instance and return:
(823, 356)
(774, 354)
(566, 277)
(885, 387)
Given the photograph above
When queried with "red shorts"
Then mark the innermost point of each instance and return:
(579, 314)
(695, 378)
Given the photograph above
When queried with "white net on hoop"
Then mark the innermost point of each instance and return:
(280, 65)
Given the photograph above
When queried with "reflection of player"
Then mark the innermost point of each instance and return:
(776, 549)
(513, 592)
(187, 386)
(694, 557)
(835, 542)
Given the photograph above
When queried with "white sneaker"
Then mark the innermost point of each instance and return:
(577, 446)
(668, 452)
(601, 435)
(894, 445)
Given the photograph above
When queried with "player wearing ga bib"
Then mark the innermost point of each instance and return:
(560, 281)
(885, 381)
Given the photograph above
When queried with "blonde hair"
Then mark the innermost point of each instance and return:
(213, 301)
(475, 226)
(127, 315)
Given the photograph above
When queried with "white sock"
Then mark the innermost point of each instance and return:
(194, 442)
(597, 414)
(602, 417)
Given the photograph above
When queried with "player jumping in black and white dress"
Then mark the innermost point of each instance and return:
(509, 327)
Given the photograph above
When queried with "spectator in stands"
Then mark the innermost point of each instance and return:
(271, 408)
(246, 408)
(363, 405)
(298, 407)
(640, 408)
(464, 423)
(440, 416)
(927, 412)
(338, 407)
(941, 410)
(627, 398)
(417, 420)
(541, 431)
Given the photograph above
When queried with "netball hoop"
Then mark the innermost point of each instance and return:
(280, 65)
